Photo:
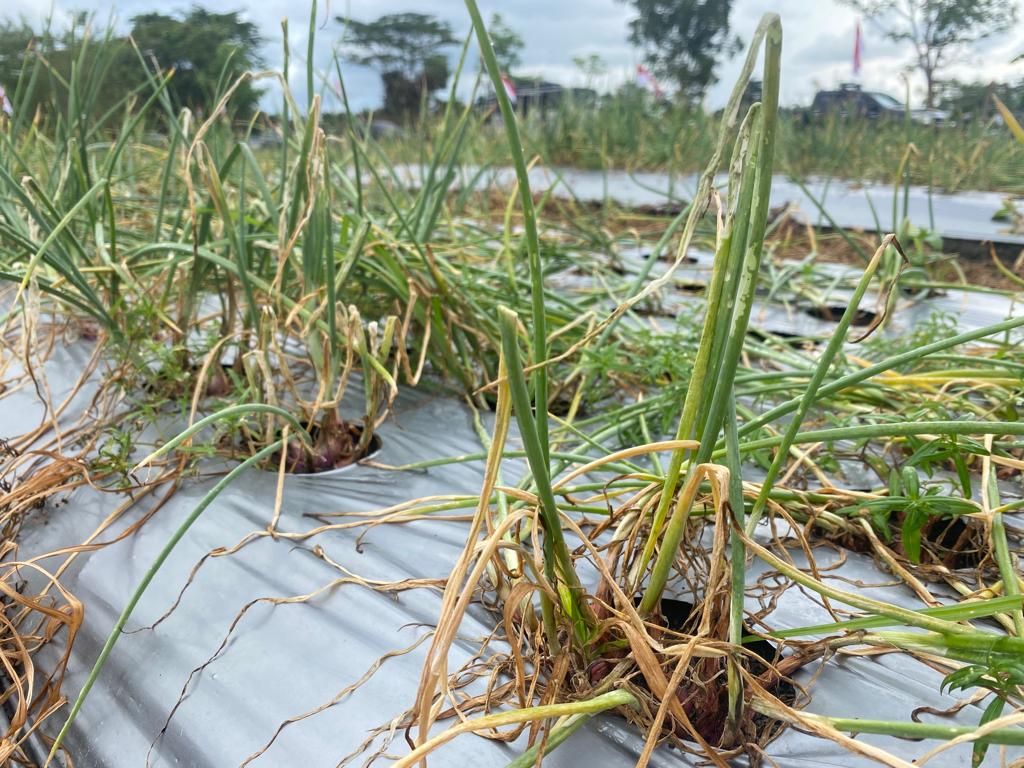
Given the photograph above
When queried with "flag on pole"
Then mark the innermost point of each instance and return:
(858, 49)
(510, 89)
(646, 80)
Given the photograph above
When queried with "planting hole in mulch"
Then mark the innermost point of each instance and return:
(697, 288)
(653, 310)
(952, 543)
(666, 256)
(677, 614)
(956, 544)
(832, 312)
(337, 450)
(763, 335)
(704, 694)
(562, 402)
(216, 382)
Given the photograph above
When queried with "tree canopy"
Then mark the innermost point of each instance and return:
(407, 50)
(507, 44)
(208, 52)
(683, 40)
(36, 65)
(937, 28)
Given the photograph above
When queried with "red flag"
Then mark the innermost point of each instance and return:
(509, 88)
(858, 49)
(646, 80)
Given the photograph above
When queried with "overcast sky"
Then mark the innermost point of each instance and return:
(817, 46)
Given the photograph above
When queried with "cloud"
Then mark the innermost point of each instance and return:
(826, 49)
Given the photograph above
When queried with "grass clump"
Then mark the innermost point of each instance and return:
(269, 305)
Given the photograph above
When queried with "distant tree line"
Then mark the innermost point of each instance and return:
(205, 51)
(682, 42)
(409, 51)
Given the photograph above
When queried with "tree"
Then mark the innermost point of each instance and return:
(15, 42)
(507, 44)
(591, 67)
(36, 69)
(407, 50)
(937, 28)
(683, 39)
(208, 52)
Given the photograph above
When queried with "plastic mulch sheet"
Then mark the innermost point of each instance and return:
(194, 692)
(284, 660)
(867, 206)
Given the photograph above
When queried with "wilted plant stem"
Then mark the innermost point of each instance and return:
(610, 700)
(724, 266)
(738, 564)
(539, 378)
(904, 730)
(1000, 546)
(556, 738)
(835, 343)
(763, 143)
(558, 565)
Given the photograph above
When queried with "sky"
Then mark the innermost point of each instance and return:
(817, 45)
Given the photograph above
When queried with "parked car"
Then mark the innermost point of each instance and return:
(851, 99)
(926, 116)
